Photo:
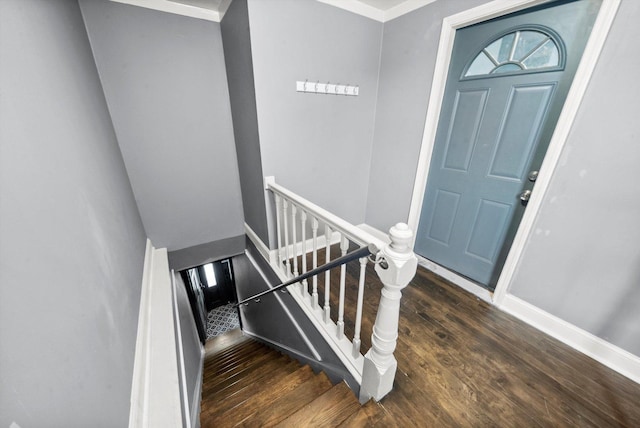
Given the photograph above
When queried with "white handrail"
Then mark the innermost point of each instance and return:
(374, 371)
(352, 232)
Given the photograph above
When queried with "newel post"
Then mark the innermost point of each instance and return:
(379, 363)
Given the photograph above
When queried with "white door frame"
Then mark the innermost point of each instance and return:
(583, 74)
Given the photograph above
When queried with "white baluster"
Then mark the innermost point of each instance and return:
(314, 232)
(327, 275)
(285, 205)
(304, 287)
(344, 246)
(294, 251)
(379, 363)
(279, 228)
(356, 334)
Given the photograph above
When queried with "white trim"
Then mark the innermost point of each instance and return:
(357, 7)
(600, 350)
(223, 8)
(589, 58)
(177, 8)
(196, 397)
(182, 371)
(336, 223)
(374, 13)
(140, 362)
(321, 243)
(262, 248)
(155, 394)
(445, 273)
(456, 279)
(343, 349)
(404, 8)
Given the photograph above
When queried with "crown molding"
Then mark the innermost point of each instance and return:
(376, 14)
(179, 8)
(216, 15)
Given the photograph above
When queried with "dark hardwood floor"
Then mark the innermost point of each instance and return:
(462, 362)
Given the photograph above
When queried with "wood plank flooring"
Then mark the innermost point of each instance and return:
(461, 362)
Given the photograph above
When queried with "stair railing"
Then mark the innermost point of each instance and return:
(357, 254)
(395, 265)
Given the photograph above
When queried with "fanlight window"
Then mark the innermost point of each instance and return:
(522, 50)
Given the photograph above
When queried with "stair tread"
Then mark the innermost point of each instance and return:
(275, 408)
(260, 364)
(225, 341)
(252, 382)
(233, 350)
(259, 406)
(328, 410)
(232, 398)
(236, 358)
(231, 401)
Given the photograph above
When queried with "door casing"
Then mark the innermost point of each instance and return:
(581, 79)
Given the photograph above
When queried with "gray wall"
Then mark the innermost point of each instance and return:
(165, 83)
(581, 264)
(409, 48)
(237, 52)
(582, 261)
(72, 246)
(316, 145)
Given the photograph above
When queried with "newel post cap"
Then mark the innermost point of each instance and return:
(401, 236)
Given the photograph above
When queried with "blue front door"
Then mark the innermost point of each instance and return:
(507, 82)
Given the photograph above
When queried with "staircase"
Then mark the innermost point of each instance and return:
(246, 383)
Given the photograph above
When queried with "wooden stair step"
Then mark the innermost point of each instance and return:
(220, 381)
(263, 389)
(221, 409)
(230, 352)
(328, 410)
(225, 340)
(236, 359)
(259, 378)
(270, 409)
(214, 370)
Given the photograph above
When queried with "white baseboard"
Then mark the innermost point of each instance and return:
(456, 279)
(155, 393)
(600, 350)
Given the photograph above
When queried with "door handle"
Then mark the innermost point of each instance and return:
(533, 176)
(524, 197)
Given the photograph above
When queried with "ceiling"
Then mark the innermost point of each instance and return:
(214, 10)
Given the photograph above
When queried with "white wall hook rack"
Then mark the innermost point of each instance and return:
(327, 88)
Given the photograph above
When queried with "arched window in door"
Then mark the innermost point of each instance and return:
(523, 50)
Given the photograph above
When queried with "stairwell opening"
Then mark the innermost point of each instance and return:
(212, 293)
